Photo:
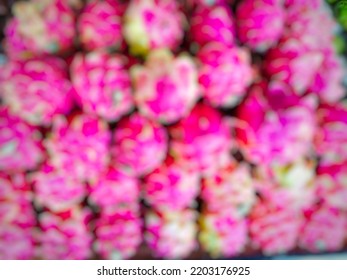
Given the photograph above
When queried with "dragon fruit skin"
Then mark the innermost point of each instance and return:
(202, 140)
(118, 234)
(295, 182)
(20, 147)
(115, 188)
(171, 187)
(260, 23)
(222, 233)
(331, 184)
(266, 135)
(37, 89)
(65, 236)
(136, 140)
(294, 63)
(212, 24)
(274, 227)
(171, 234)
(153, 24)
(324, 229)
(102, 84)
(99, 25)
(165, 88)
(16, 201)
(17, 218)
(230, 187)
(331, 138)
(21, 240)
(225, 74)
(40, 28)
(328, 81)
(79, 146)
(57, 190)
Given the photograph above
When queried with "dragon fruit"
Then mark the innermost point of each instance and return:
(171, 234)
(65, 236)
(16, 201)
(331, 184)
(311, 22)
(212, 24)
(201, 141)
(166, 88)
(20, 147)
(331, 138)
(292, 62)
(118, 234)
(153, 24)
(260, 23)
(225, 74)
(296, 181)
(265, 135)
(230, 187)
(324, 229)
(171, 187)
(222, 233)
(36, 89)
(115, 188)
(79, 146)
(16, 242)
(274, 227)
(40, 28)
(140, 145)
(328, 81)
(102, 84)
(57, 190)
(17, 218)
(99, 25)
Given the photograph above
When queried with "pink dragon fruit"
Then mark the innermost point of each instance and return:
(331, 138)
(260, 23)
(294, 181)
(102, 84)
(274, 227)
(40, 28)
(118, 234)
(16, 201)
(56, 189)
(171, 187)
(16, 243)
(153, 24)
(265, 135)
(99, 25)
(225, 74)
(201, 141)
(115, 188)
(231, 187)
(37, 89)
(331, 184)
(79, 146)
(20, 147)
(65, 236)
(17, 218)
(212, 24)
(140, 145)
(222, 233)
(311, 22)
(328, 81)
(324, 229)
(166, 88)
(294, 63)
(171, 234)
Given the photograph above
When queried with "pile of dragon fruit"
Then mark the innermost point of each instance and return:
(174, 126)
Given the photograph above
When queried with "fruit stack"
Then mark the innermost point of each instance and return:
(182, 125)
